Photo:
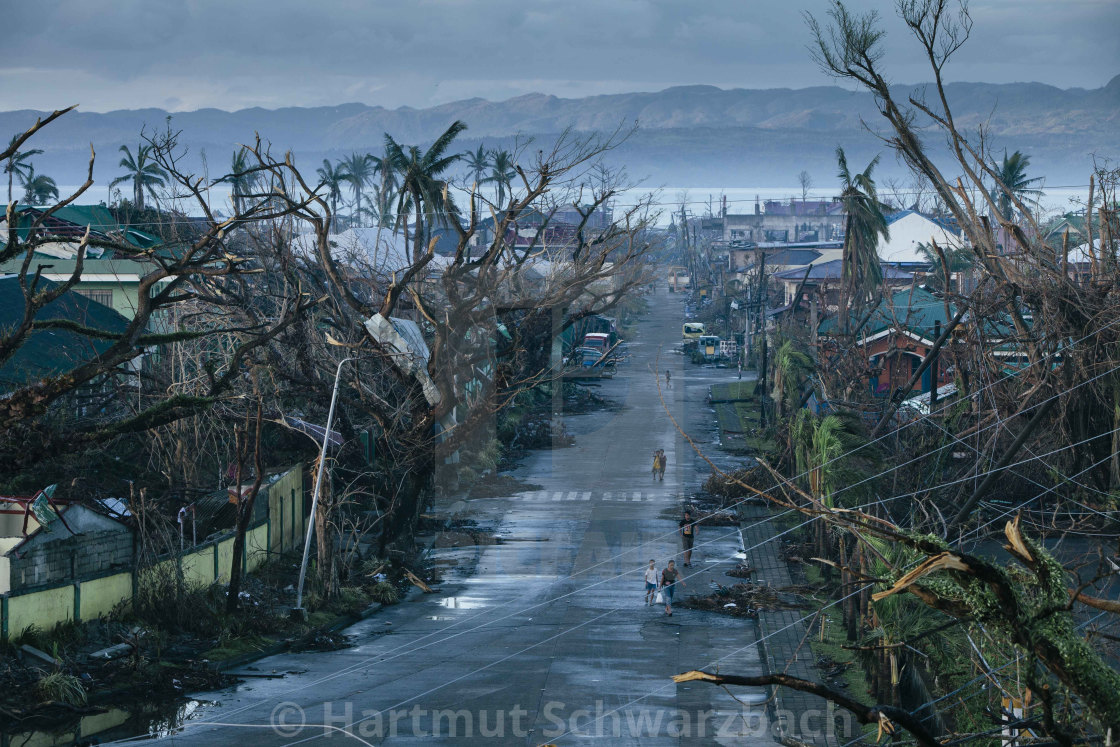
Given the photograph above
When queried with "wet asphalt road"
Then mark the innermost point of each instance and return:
(543, 638)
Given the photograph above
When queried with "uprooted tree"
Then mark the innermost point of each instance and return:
(489, 310)
(1036, 358)
(244, 319)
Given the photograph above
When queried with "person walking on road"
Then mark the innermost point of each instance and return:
(669, 579)
(656, 463)
(668, 380)
(661, 461)
(651, 582)
(688, 536)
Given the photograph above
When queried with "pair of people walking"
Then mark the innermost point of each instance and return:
(662, 584)
(659, 461)
(665, 582)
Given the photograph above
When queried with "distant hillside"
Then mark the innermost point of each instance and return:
(695, 135)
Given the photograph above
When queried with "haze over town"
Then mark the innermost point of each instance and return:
(544, 373)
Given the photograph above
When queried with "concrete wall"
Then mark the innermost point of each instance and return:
(11, 523)
(99, 596)
(285, 506)
(98, 592)
(70, 557)
(754, 228)
(44, 609)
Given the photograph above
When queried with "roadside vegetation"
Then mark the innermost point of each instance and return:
(432, 321)
(963, 550)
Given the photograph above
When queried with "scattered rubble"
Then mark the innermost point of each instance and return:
(741, 571)
(747, 599)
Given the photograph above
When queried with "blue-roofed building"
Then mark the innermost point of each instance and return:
(824, 278)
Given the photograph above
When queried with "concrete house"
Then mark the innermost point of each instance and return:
(108, 279)
(795, 221)
(79, 543)
(898, 336)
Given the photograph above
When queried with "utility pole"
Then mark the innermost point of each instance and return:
(747, 328)
(760, 386)
(813, 322)
(933, 369)
(298, 612)
(761, 328)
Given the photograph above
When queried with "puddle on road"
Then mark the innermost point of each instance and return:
(464, 603)
(508, 578)
(141, 721)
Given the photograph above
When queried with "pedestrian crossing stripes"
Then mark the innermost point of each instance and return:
(570, 496)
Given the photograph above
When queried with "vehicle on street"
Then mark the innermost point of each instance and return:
(693, 330)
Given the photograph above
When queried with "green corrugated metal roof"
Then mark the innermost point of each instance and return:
(51, 352)
(90, 267)
(97, 217)
(917, 310)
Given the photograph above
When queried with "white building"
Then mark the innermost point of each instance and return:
(908, 230)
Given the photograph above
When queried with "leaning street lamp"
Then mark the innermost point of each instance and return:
(298, 611)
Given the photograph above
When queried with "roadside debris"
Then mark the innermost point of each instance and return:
(415, 580)
(741, 571)
(747, 599)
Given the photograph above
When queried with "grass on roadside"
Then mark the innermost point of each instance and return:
(735, 390)
(234, 647)
(830, 645)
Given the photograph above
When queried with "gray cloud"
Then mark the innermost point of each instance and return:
(188, 54)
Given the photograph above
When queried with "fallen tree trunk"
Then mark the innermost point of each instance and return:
(883, 716)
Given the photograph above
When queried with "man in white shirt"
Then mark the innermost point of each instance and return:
(651, 583)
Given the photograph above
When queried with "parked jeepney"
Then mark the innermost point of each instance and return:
(708, 347)
(600, 341)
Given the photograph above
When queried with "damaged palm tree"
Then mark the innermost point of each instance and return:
(1028, 604)
(189, 270)
(1036, 356)
(453, 338)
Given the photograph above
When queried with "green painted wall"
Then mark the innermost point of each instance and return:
(100, 595)
(44, 609)
(47, 608)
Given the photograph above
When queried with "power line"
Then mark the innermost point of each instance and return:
(553, 600)
(623, 554)
(669, 534)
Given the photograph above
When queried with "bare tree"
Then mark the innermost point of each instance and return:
(511, 290)
(1040, 339)
(806, 182)
(203, 266)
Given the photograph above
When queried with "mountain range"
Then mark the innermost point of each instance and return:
(686, 136)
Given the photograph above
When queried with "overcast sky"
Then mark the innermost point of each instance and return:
(232, 54)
